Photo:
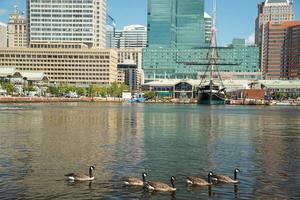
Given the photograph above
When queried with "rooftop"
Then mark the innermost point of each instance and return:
(278, 2)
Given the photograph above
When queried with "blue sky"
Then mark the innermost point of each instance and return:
(236, 18)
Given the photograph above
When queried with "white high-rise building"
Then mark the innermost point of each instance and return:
(66, 23)
(3, 36)
(208, 25)
(133, 36)
(100, 14)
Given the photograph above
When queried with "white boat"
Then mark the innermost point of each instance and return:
(284, 103)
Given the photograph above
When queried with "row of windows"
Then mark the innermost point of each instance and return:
(61, 1)
(80, 78)
(49, 20)
(99, 63)
(32, 15)
(64, 69)
(62, 10)
(56, 67)
(54, 56)
(42, 6)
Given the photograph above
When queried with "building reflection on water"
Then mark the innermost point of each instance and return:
(41, 144)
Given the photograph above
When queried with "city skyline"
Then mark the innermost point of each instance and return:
(234, 14)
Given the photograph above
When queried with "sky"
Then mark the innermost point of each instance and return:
(236, 18)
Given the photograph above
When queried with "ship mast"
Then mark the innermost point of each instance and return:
(213, 42)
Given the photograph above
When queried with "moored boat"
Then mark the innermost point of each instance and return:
(211, 94)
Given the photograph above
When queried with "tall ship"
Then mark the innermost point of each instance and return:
(211, 90)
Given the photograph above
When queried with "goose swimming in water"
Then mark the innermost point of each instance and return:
(80, 176)
(199, 181)
(226, 179)
(135, 181)
(161, 187)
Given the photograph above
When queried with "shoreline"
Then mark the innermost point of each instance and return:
(8, 100)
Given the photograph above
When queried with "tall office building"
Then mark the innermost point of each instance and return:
(176, 24)
(3, 36)
(133, 36)
(238, 61)
(17, 30)
(281, 50)
(179, 33)
(208, 26)
(292, 61)
(272, 10)
(79, 67)
(67, 23)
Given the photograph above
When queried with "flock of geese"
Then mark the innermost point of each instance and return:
(159, 186)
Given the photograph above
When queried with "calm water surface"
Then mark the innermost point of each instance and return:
(39, 143)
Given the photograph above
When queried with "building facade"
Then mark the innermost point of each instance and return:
(133, 36)
(132, 57)
(175, 24)
(67, 22)
(80, 67)
(177, 88)
(132, 76)
(280, 50)
(292, 61)
(3, 35)
(17, 31)
(176, 35)
(272, 10)
(237, 61)
(208, 26)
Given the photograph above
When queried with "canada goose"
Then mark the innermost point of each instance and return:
(161, 187)
(135, 181)
(80, 176)
(199, 181)
(227, 179)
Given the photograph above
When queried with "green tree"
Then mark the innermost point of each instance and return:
(149, 95)
(81, 91)
(113, 90)
(280, 95)
(103, 91)
(29, 88)
(10, 88)
(53, 90)
(116, 90)
(93, 91)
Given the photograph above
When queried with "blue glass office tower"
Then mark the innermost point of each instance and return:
(161, 23)
(176, 23)
(190, 29)
(176, 38)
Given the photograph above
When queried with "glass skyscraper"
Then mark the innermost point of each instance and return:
(178, 48)
(236, 61)
(190, 31)
(176, 23)
(161, 23)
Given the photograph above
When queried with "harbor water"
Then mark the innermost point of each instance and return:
(39, 143)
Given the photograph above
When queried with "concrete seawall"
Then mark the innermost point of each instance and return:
(56, 99)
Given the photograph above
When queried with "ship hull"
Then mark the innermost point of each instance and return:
(210, 98)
